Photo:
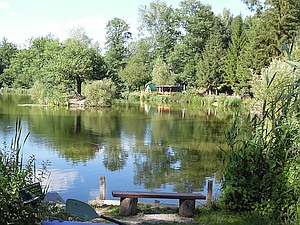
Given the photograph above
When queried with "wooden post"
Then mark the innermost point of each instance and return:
(209, 192)
(102, 188)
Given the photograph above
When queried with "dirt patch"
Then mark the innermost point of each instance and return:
(147, 214)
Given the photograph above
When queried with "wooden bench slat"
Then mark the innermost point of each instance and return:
(31, 193)
(142, 194)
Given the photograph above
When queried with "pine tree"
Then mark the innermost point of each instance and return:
(234, 72)
(210, 68)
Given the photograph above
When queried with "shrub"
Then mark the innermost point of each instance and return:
(15, 174)
(262, 158)
(273, 78)
(49, 94)
(100, 93)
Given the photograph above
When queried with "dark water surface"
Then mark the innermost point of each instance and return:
(135, 146)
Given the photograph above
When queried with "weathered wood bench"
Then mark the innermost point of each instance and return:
(31, 193)
(129, 200)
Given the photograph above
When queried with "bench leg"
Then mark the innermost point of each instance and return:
(186, 208)
(128, 206)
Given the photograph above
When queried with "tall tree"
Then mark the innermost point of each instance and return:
(281, 20)
(210, 69)
(161, 72)
(7, 52)
(117, 38)
(182, 63)
(162, 24)
(136, 73)
(234, 75)
(80, 60)
(197, 22)
(26, 66)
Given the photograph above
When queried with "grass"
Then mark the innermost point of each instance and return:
(210, 216)
(205, 215)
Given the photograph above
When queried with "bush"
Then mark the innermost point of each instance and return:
(100, 93)
(50, 95)
(273, 78)
(262, 158)
(15, 174)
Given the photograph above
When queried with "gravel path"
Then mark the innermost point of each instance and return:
(151, 216)
(157, 219)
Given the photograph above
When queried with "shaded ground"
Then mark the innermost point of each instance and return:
(147, 214)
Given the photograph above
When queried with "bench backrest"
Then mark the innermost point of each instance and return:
(142, 194)
(31, 193)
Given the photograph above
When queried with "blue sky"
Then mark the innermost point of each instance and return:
(23, 19)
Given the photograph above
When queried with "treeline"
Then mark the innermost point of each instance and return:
(189, 45)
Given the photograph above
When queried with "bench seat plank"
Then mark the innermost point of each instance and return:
(143, 194)
(129, 200)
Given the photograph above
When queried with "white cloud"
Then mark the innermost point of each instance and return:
(4, 5)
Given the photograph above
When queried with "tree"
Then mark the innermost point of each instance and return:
(281, 19)
(117, 38)
(80, 61)
(162, 24)
(7, 52)
(210, 69)
(197, 22)
(161, 72)
(26, 66)
(235, 77)
(136, 73)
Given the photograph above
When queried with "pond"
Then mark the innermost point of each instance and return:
(135, 146)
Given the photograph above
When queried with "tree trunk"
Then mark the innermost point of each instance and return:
(78, 83)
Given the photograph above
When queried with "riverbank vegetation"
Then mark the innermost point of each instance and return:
(214, 55)
(261, 172)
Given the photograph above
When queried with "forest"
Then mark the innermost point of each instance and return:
(188, 45)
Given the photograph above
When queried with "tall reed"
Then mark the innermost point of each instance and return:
(262, 161)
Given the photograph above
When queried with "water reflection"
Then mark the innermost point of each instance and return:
(61, 180)
(150, 147)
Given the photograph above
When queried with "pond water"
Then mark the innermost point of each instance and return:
(135, 146)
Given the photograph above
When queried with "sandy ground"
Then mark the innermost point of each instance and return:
(152, 217)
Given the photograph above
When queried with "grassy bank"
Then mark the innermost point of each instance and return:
(205, 215)
(191, 99)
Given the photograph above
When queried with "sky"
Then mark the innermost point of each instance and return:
(21, 20)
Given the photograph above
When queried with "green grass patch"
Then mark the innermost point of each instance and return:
(208, 216)
(205, 215)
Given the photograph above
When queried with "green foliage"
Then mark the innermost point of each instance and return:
(161, 73)
(46, 94)
(136, 73)
(117, 38)
(198, 21)
(162, 23)
(262, 158)
(275, 77)
(235, 77)
(190, 40)
(210, 69)
(7, 52)
(100, 93)
(77, 63)
(15, 174)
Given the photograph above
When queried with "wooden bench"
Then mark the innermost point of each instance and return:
(31, 193)
(129, 200)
